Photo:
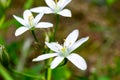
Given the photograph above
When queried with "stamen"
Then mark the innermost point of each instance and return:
(58, 48)
(64, 52)
(30, 18)
(63, 49)
(56, 1)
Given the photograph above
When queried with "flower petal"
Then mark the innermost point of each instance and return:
(20, 20)
(78, 61)
(65, 13)
(63, 3)
(54, 46)
(38, 18)
(50, 3)
(45, 56)
(46, 10)
(44, 25)
(27, 15)
(21, 30)
(71, 38)
(78, 43)
(56, 62)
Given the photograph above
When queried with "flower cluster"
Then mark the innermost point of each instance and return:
(61, 52)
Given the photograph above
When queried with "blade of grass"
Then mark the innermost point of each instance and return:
(5, 73)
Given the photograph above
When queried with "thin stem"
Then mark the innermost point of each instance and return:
(49, 74)
(56, 26)
(33, 33)
(49, 71)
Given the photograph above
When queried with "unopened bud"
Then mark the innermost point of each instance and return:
(5, 3)
(4, 58)
(47, 37)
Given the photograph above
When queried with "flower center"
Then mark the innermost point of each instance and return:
(64, 52)
(30, 19)
(63, 49)
(56, 7)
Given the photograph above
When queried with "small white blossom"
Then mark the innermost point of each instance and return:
(54, 7)
(29, 22)
(65, 51)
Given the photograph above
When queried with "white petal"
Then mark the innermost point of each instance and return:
(20, 20)
(44, 25)
(21, 30)
(63, 3)
(56, 62)
(54, 46)
(78, 61)
(45, 56)
(27, 14)
(50, 3)
(65, 13)
(46, 10)
(38, 18)
(71, 38)
(78, 43)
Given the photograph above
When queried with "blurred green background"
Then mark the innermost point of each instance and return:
(98, 19)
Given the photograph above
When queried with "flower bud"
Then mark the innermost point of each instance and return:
(5, 3)
(47, 37)
(4, 58)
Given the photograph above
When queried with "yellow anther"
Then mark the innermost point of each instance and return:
(63, 49)
(56, 1)
(30, 18)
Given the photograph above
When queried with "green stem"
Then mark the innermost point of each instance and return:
(33, 33)
(49, 74)
(56, 26)
(49, 71)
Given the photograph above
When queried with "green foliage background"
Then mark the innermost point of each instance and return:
(98, 19)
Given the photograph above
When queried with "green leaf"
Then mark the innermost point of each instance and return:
(2, 19)
(13, 49)
(110, 2)
(28, 4)
(103, 78)
(5, 73)
(2, 40)
(61, 73)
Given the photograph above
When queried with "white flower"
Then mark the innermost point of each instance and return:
(65, 51)
(54, 7)
(29, 22)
